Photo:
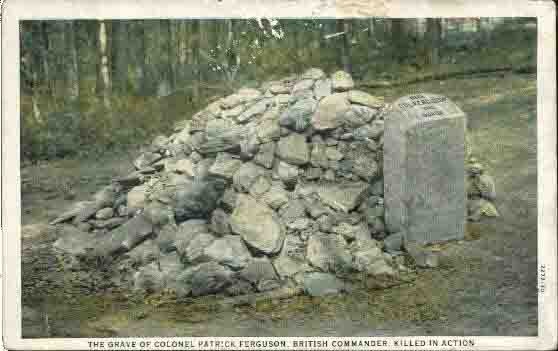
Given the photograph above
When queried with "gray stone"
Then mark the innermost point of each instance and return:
(325, 223)
(362, 98)
(330, 112)
(373, 262)
(357, 116)
(260, 187)
(314, 208)
(222, 135)
(301, 95)
(287, 173)
(229, 251)
(109, 224)
(313, 73)
(202, 168)
(299, 224)
(377, 226)
(269, 130)
(365, 166)
(377, 188)
(333, 154)
(329, 253)
(192, 251)
(298, 115)
(225, 165)
(394, 242)
(181, 166)
(282, 99)
(228, 201)
(424, 168)
(343, 196)
(259, 269)
(372, 212)
(368, 131)
(485, 184)
(313, 173)
(144, 253)
(249, 147)
(133, 232)
(137, 197)
(287, 266)
(158, 214)
(279, 88)
(239, 287)
(209, 278)
(293, 210)
(257, 224)
(242, 96)
(255, 110)
(349, 231)
(480, 207)
(149, 278)
(329, 175)
(104, 213)
(147, 159)
(423, 257)
(293, 149)
(266, 155)
(377, 129)
(318, 157)
(305, 84)
(276, 196)
(220, 222)
(322, 88)
(342, 81)
(246, 175)
(166, 238)
(196, 199)
(322, 284)
(267, 285)
(331, 141)
(195, 157)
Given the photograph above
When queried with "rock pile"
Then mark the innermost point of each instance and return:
(280, 185)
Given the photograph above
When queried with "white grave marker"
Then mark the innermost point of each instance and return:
(424, 169)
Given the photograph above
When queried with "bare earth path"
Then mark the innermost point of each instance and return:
(485, 285)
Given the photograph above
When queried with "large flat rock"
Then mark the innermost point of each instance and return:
(342, 196)
(257, 224)
(331, 111)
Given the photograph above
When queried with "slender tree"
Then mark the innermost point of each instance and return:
(104, 61)
(120, 55)
(434, 34)
(72, 68)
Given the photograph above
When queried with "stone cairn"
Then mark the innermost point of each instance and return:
(274, 187)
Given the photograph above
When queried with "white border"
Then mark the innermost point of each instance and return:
(14, 10)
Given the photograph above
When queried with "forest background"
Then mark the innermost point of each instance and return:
(94, 86)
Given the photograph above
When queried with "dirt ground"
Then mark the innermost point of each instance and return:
(485, 285)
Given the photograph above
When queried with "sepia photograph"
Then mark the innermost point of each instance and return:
(309, 176)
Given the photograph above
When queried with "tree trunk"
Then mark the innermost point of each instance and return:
(120, 55)
(195, 44)
(343, 26)
(400, 39)
(72, 66)
(170, 55)
(434, 33)
(105, 70)
(182, 51)
(45, 59)
(142, 80)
